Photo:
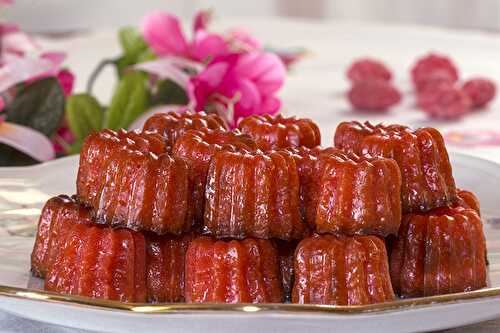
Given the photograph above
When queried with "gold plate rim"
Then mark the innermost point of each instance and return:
(185, 308)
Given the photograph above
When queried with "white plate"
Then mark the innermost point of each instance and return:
(24, 190)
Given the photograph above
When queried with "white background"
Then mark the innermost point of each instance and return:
(66, 15)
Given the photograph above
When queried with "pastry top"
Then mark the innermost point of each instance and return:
(98, 147)
(468, 199)
(144, 142)
(173, 125)
(353, 135)
(421, 155)
(274, 132)
(195, 143)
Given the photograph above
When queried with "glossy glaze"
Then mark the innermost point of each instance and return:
(346, 194)
(100, 262)
(253, 195)
(165, 258)
(58, 214)
(233, 271)
(135, 189)
(197, 147)
(467, 199)
(98, 146)
(421, 155)
(172, 125)
(341, 270)
(439, 252)
(274, 132)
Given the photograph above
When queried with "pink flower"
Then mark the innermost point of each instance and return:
(202, 20)
(240, 40)
(26, 140)
(62, 139)
(164, 35)
(66, 80)
(238, 85)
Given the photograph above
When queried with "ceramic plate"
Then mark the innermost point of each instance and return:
(24, 190)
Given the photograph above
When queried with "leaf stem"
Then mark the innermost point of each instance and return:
(95, 73)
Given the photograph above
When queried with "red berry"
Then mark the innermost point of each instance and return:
(432, 68)
(373, 95)
(444, 101)
(480, 91)
(368, 69)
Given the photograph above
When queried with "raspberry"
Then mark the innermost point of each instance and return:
(373, 95)
(368, 69)
(444, 102)
(432, 68)
(480, 91)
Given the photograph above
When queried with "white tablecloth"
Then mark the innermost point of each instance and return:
(315, 87)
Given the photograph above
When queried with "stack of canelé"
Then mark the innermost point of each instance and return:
(189, 211)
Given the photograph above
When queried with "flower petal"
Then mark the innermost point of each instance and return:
(15, 41)
(242, 41)
(202, 20)
(57, 58)
(66, 80)
(163, 34)
(19, 69)
(206, 46)
(27, 140)
(265, 69)
(270, 105)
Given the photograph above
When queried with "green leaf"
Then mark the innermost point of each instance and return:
(130, 100)
(84, 115)
(131, 41)
(168, 92)
(39, 105)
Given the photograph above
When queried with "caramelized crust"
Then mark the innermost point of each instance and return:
(341, 270)
(165, 258)
(468, 199)
(253, 195)
(197, 147)
(421, 155)
(100, 263)
(58, 215)
(274, 132)
(357, 195)
(97, 148)
(233, 271)
(134, 189)
(346, 194)
(173, 125)
(439, 252)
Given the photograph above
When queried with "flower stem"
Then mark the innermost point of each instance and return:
(96, 72)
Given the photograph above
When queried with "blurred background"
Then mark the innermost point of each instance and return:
(68, 15)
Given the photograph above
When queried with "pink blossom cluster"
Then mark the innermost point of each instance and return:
(229, 73)
(23, 61)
